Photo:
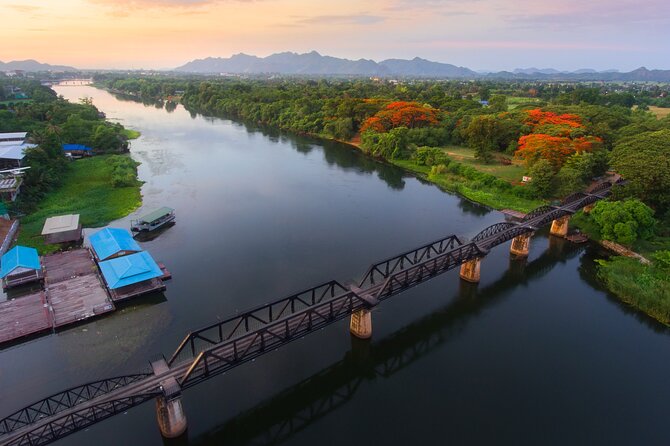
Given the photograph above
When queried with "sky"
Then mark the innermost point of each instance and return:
(478, 34)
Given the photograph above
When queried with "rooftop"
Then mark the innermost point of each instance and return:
(129, 270)
(62, 223)
(19, 257)
(110, 241)
(155, 215)
(13, 135)
(76, 147)
(14, 151)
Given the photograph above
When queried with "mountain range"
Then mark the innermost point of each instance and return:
(32, 65)
(314, 64)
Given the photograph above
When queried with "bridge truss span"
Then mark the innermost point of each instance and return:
(219, 347)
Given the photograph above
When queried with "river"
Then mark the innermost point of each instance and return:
(536, 353)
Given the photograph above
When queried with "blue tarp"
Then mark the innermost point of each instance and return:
(74, 147)
(19, 257)
(128, 270)
(109, 241)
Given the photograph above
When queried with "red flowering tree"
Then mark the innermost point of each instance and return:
(401, 114)
(555, 149)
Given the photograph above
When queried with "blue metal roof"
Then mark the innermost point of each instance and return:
(110, 241)
(19, 257)
(128, 270)
(69, 147)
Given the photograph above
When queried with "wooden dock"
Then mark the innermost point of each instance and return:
(24, 316)
(74, 289)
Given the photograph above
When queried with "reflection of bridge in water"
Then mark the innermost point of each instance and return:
(220, 347)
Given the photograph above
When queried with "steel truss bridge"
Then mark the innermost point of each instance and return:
(217, 348)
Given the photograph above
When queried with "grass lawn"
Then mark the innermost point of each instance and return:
(511, 173)
(86, 190)
(659, 112)
(516, 101)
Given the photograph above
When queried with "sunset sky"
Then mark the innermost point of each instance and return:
(479, 34)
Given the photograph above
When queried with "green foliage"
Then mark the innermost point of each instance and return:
(662, 260)
(624, 221)
(389, 145)
(567, 181)
(644, 161)
(646, 287)
(85, 189)
(123, 171)
(542, 174)
(429, 156)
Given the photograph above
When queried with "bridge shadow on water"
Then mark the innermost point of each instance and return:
(292, 410)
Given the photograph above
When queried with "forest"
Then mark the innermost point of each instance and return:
(50, 122)
(503, 144)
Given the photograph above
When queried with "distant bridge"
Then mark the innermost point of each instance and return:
(215, 349)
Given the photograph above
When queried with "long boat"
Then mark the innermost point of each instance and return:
(153, 220)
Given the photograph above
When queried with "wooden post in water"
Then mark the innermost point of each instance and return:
(470, 270)
(559, 227)
(361, 324)
(521, 245)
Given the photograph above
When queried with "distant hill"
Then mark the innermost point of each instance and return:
(32, 65)
(313, 63)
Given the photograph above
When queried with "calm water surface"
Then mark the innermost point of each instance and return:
(536, 354)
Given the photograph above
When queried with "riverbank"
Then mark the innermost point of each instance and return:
(86, 190)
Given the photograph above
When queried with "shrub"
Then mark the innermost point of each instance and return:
(624, 221)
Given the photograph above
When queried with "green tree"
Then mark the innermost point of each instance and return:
(644, 161)
(624, 221)
(498, 103)
(542, 175)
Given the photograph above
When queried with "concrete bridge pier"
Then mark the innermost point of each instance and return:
(470, 270)
(521, 245)
(361, 324)
(169, 410)
(588, 208)
(559, 227)
(171, 417)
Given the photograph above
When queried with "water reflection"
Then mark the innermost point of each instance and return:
(279, 418)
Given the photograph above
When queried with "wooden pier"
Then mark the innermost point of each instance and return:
(74, 288)
(24, 316)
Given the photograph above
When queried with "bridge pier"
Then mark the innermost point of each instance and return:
(169, 410)
(521, 245)
(361, 324)
(559, 227)
(171, 417)
(588, 208)
(470, 270)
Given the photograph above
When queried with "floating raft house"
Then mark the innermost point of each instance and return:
(20, 265)
(110, 243)
(132, 275)
(153, 220)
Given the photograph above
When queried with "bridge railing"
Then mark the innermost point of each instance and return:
(417, 274)
(380, 271)
(67, 399)
(67, 424)
(253, 320)
(227, 355)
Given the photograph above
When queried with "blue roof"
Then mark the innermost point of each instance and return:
(68, 147)
(128, 270)
(19, 257)
(110, 241)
